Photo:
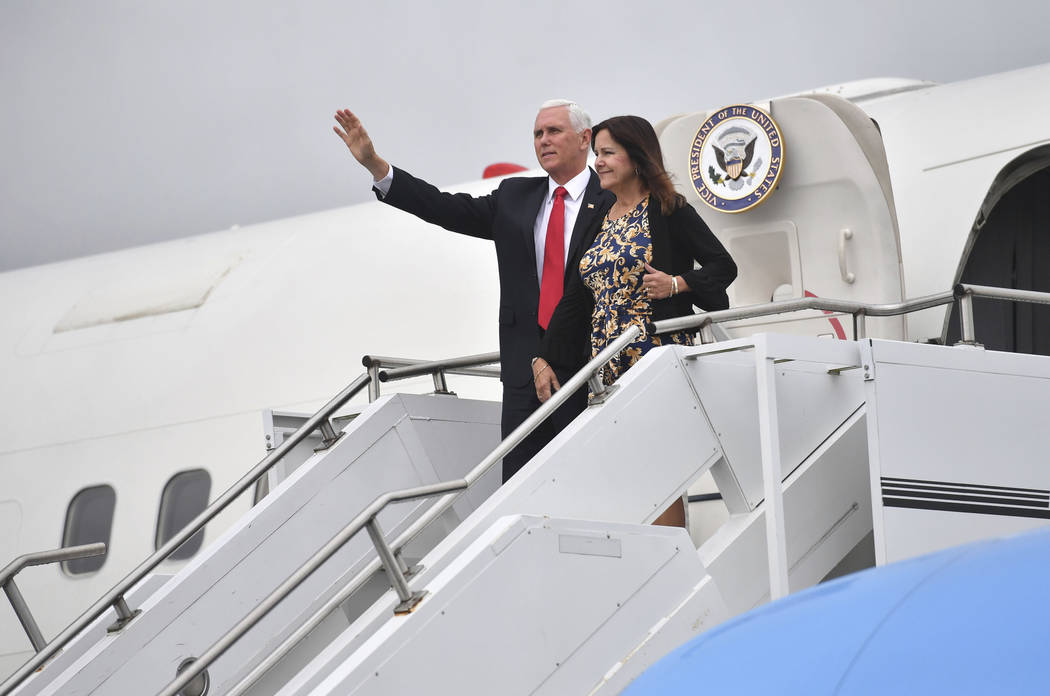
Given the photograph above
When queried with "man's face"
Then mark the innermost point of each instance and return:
(561, 151)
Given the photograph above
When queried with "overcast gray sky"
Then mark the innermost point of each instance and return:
(127, 122)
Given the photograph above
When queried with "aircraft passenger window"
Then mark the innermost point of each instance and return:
(89, 519)
(185, 496)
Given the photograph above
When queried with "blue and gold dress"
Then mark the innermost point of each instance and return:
(613, 268)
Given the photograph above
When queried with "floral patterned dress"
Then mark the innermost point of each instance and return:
(613, 268)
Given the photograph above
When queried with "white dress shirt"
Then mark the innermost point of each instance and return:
(574, 190)
(384, 184)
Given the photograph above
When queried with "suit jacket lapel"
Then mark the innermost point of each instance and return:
(533, 204)
(593, 207)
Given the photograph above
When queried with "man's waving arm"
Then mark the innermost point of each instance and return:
(353, 133)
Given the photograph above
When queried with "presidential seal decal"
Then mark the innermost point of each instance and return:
(736, 158)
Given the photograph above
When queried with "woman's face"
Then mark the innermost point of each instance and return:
(615, 169)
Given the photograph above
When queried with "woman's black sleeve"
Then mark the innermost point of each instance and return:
(707, 284)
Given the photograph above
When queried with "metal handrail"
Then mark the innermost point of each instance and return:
(703, 319)
(450, 365)
(438, 368)
(449, 490)
(14, 595)
(469, 365)
(318, 421)
(966, 292)
(963, 292)
(990, 292)
(115, 597)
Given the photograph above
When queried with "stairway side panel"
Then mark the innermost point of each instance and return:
(961, 446)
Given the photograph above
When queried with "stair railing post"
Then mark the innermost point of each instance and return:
(373, 382)
(25, 616)
(14, 595)
(860, 329)
(968, 335)
(328, 435)
(393, 570)
(707, 334)
(124, 615)
(440, 386)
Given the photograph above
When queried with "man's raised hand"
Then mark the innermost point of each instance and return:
(360, 145)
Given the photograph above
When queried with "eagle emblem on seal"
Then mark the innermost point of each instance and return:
(737, 151)
(736, 158)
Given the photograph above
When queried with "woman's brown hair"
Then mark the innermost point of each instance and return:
(636, 135)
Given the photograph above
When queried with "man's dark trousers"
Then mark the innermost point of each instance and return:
(518, 404)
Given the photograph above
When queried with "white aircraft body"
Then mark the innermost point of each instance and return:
(126, 370)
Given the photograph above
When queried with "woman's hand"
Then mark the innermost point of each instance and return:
(545, 380)
(658, 284)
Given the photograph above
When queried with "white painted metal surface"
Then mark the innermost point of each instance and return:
(772, 471)
(946, 145)
(958, 444)
(834, 180)
(517, 611)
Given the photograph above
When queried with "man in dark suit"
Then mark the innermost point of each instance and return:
(540, 226)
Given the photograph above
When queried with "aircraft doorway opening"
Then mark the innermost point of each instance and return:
(1012, 250)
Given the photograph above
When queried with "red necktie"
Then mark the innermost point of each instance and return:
(553, 259)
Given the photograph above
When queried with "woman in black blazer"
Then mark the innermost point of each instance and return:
(639, 267)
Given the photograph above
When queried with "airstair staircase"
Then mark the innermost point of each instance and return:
(555, 582)
(563, 605)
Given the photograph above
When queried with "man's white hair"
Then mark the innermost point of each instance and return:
(577, 116)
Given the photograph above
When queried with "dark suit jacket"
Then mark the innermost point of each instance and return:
(507, 216)
(678, 239)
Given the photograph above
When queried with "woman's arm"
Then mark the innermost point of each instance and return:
(707, 284)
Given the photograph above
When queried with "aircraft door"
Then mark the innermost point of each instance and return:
(1010, 247)
(828, 227)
